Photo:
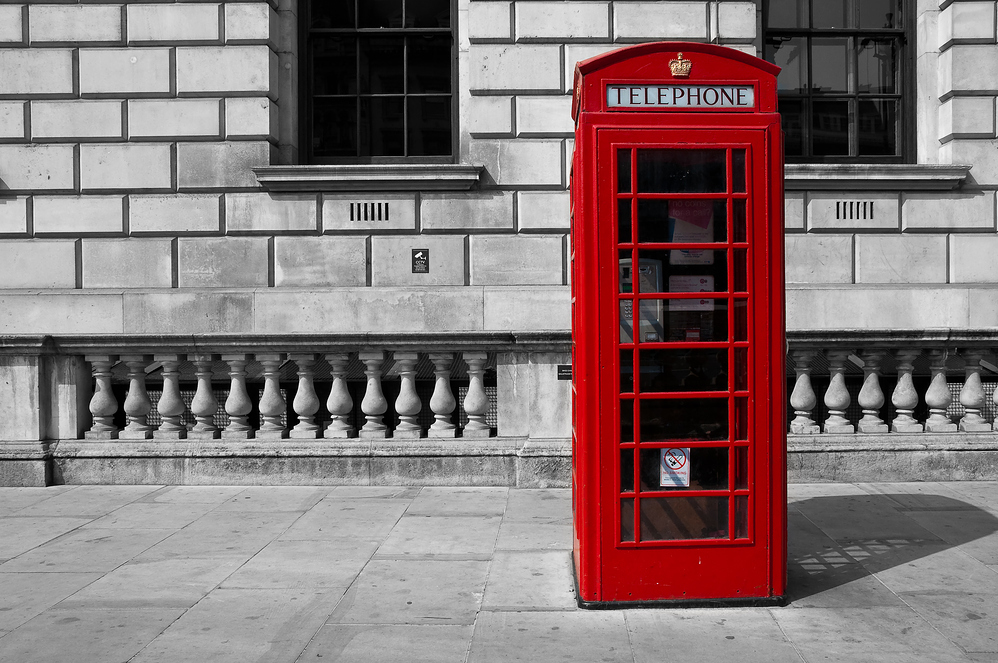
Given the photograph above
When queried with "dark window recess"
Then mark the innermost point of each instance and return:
(845, 82)
(378, 80)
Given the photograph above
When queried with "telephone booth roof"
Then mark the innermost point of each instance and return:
(650, 63)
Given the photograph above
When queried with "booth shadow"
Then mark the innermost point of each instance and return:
(837, 540)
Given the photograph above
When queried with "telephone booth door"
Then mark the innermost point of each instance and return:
(688, 384)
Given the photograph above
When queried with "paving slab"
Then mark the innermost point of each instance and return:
(228, 534)
(86, 551)
(582, 635)
(152, 515)
(454, 536)
(85, 635)
(390, 643)
(13, 500)
(373, 492)
(450, 501)
(982, 493)
(530, 580)
(94, 501)
(305, 564)
(970, 619)
(420, 591)
(533, 535)
(853, 517)
(193, 494)
(22, 533)
(973, 530)
(707, 636)
(258, 499)
(540, 505)
(26, 595)
(239, 625)
(336, 518)
(886, 635)
(932, 568)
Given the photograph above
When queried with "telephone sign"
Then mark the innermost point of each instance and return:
(679, 443)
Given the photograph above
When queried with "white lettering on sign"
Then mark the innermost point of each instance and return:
(680, 96)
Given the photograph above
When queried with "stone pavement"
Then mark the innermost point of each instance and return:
(886, 572)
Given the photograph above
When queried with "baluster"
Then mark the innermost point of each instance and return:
(837, 397)
(171, 406)
(972, 394)
(994, 399)
(306, 402)
(442, 402)
(476, 401)
(871, 396)
(905, 398)
(374, 404)
(238, 404)
(272, 404)
(803, 398)
(103, 404)
(407, 405)
(204, 405)
(137, 403)
(937, 396)
(339, 404)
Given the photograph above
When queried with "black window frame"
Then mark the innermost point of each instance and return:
(905, 117)
(306, 94)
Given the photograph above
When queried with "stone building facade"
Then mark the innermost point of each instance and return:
(192, 291)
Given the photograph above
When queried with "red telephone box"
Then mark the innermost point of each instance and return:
(678, 330)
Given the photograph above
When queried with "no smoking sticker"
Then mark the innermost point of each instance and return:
(675, 467)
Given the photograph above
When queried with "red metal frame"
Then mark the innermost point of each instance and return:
(749, 567)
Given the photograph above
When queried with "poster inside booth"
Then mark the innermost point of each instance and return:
(679, 447)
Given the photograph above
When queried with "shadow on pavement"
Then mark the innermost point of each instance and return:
(836, 541)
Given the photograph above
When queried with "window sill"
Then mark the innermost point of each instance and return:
(369, 177)
(904, 177)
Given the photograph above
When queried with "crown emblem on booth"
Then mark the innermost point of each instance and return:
(680, 67)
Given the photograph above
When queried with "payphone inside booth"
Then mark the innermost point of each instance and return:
(678, 331)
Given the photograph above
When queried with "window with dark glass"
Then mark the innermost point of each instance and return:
(841, 90)
(378, 80)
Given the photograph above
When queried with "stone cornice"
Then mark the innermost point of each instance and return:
(369, 177)
(874, 177)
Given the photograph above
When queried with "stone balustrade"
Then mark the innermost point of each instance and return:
(908, 386)
(272, 408)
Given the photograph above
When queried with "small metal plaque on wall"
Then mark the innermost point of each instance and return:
(420, 261)
(564, 371)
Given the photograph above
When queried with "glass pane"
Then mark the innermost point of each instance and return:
(830, 128)
(739, 221)
(790, 53)
(626, 420)
(627, 520)
(708, 469)
(380, 13)
(426, 13)
(624, 171)
(672, 518)
(626, 470)
(381, 65)
(650, 327)
(683, 419)
(741, 418)
(624, 221)
(333, 14)
(741, 369)
(877, 127)
(626, 321)
(792, 114)
(878, 13)
(429, 126)
(683, 221)
(741, 516)
(697, 326)
(787, 13)
(626, 371)
(625, 273)
(683, 370)
(334, 65)
(741, 320)
(741, 270)
(672, 270)
(381, 126)
(830, 64)
(831, 14)
(681, 171)
(738, 171)
(334, 127)
(741, 468)
(876, 66)
(429, 64)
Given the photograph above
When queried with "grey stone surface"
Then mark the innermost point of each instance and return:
(880, 571)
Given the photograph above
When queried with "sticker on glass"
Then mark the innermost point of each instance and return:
(675, 468)
(691, 222)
